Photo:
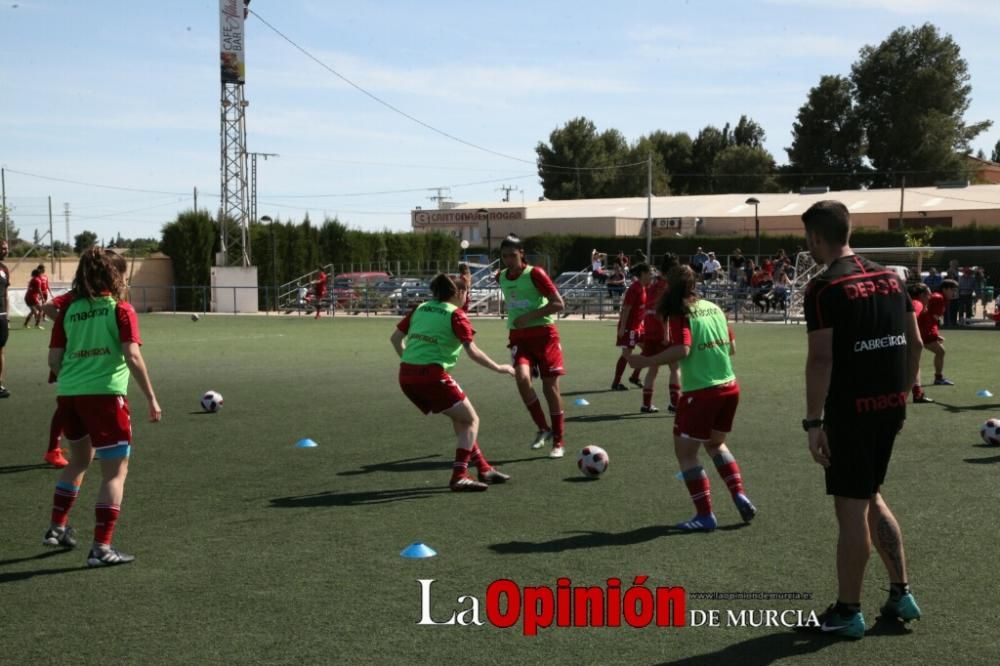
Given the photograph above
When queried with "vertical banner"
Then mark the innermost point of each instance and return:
(231, 41)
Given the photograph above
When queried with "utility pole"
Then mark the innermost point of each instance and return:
(902, 193)
(507, 189)
(196, 200)
(440, 197)
(52, 242)
(649, 207)
(253, 182)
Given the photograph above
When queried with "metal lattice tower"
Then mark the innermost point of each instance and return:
(234, 214)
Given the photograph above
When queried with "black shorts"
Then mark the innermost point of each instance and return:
(4, 331)
(859, 458)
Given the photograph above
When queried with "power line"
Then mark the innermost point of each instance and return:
(405, 191)
(423, 124)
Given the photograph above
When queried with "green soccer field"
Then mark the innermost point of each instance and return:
(251, 550)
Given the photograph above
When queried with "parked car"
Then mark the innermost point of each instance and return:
(355, 291)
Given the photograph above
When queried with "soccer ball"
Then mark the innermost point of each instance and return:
(211, 401)
(592, 461)
(195, 317)
(991, 432)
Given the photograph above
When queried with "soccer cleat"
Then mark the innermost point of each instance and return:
(672, 409)
(542, 437)
(943, 381)
(466, 484)
(619, 387)
(60, 536)
(494, 476)
(835, 624)
(557, 451)
(107, 557)
(923, 399)
(745, 506)
(56, 458)
(905, 608)
(648, 409)
(699, 523)
(4, 393)
(635, 381)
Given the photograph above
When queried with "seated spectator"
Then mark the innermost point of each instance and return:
(616, 285)
(710, 269)
(760, 286)
(780, 292)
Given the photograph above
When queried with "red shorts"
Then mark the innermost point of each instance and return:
(630, 340)
(544, 352)
(700, 412)
(653, 347)
(31, 301)
(104, 418)
(933, 335)
(429, 387)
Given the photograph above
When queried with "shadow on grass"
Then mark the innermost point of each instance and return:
(983, 461)
(356, 499)
(957, 409)
(769, 649)
(14, 469)
(598, 418)
(14, 576)
(598, 540)
(433, 461)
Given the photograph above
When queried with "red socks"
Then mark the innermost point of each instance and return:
(62, 502)
(537, 415)
(620, 370)
(106, 515)
(729, 470)
(698, 487)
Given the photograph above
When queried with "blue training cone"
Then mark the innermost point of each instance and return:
(417, 550)
(679, 476)
(984, 394)
(581, 402)
(306, 444)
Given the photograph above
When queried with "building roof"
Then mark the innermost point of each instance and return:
(916, 199)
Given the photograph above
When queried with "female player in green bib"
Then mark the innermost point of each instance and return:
(428, 341)
(703, 343)
(93, 351)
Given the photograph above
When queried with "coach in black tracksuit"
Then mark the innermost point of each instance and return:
(864, 350)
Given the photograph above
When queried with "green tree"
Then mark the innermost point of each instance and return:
(740, 168)
(709, 143)
(827, 139)
(84, 240)
(748, 133)
(675, 154)
(574, 164)
(995, 157)
(912, 92)
(189, 242)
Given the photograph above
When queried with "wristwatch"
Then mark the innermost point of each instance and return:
(809, 424)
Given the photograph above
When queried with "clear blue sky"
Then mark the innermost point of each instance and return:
(127, 93)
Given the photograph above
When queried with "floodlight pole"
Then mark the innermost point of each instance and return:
(756, 224)
(649, 207)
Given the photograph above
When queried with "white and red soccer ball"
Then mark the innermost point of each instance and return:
(211, 401)
(593, 461)
(990, 432)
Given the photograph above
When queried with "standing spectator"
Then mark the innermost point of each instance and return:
(465, 277)
(4, 311)
(710, 269)
(625, 263)
(736, 263)
(966, 293)
(863, 355)
(951, 316)
(319, 289)
(616, 285)
(92, 399)
(697, 261)
(933, 279)
(981, 289)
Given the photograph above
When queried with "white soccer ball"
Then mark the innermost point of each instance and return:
(195, 317)
(211, 401)
(593, 461)
(990, 432)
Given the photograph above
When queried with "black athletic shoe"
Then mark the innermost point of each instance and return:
(619, 387)
(107, 557)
